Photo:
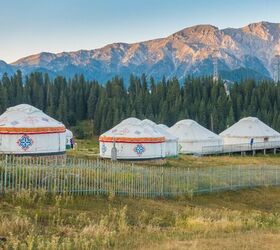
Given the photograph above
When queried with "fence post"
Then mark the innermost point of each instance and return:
(263, 181)
(188, 181)
(197, 180)
(5, 174)
(162, 173)
(230, 177)
(211, 180)
(250, 178)
(239, 177)
(276, 176)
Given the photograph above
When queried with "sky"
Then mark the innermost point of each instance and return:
(32, 26)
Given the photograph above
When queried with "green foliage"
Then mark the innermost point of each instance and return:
(83, 130)
(79, 133)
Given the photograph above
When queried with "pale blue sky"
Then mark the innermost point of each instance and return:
(32, 26)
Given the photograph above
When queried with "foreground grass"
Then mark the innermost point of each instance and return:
(234, 220)
(87, 148)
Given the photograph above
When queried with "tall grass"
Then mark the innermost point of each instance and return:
(55, 229)
(38, 220)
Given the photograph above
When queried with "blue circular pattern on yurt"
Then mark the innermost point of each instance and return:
(104, 148)
(139, 149)
(25, 142)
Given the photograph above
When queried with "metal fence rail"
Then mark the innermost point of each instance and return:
(85, 177)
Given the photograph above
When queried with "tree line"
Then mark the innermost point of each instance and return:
(166, 101)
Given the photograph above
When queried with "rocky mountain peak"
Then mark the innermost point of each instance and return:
(262, 30)
(188, 51)
(42, 58)
(197, 31)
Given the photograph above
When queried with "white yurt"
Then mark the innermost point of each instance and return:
(69, 137)
(247, 129)
(132, 142)
(130, 120)
(25, 129)
(193, 137)
(163, 126)
(171, 141)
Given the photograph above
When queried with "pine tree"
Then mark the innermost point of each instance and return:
(3, 99)
(230, 118)
(62, 108)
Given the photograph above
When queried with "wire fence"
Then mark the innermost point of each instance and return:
(86, 177)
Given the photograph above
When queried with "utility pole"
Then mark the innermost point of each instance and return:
(215, 66)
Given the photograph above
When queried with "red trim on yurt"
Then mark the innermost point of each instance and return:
(131, 140)
(44, 130)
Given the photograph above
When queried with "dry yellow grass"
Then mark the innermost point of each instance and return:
(244, 240)
(248, 219)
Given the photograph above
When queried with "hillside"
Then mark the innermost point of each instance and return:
(186, 52)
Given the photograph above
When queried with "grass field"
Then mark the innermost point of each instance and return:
(232, 220)
(248, 219)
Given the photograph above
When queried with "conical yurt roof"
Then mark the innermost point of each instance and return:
(168, 136)
(69, 133)
(149, 122)
(129, 132)
(130, 120)
(250, 127)
(25, 118)
(163, 126)
(189, 130)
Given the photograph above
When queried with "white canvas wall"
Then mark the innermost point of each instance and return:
(171, 148)
(128, 135)
(128, 150)
(199, 147)
(193, 137)
(171, 141)
(247, 128)
(41, 143)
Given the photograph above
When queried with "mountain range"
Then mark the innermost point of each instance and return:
(242, 52)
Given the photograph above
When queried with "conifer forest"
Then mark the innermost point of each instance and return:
(166, 101)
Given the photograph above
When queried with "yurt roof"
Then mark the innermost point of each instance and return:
(149, 122)
(189, 130)
(168, 136)
(69, 133)
(131, 120)
(163, 126)
(132, 133)
(25, 118)
(250, 127)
